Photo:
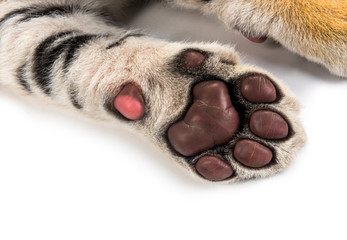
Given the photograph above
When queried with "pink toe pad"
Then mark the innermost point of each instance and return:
(129, 102)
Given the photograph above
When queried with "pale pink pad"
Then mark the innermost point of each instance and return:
(130, 103)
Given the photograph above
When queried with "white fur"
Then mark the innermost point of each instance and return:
(98, 74)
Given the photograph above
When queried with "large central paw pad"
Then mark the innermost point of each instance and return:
(211, 120)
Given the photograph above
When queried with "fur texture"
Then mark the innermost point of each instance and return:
(317, 30)
(69, 52)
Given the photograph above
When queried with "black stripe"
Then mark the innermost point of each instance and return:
(50, 11)
(75, 44)
(45, 55)
(21, 72)
(45, 58)
(74, 98)
(36, 11)
(14, 14)
(120, 41)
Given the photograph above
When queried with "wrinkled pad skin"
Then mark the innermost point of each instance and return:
(268, 125)
(211, 120)
(258, 89)
(252, 154)
(213, 168)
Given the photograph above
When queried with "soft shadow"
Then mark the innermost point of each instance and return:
(187, 25)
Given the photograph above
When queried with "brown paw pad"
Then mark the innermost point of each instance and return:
(268, 125)
(252, 154)
(258, 89)
(255, 39)
(130, 103)
(194, 59)
(213, 168)
(211, 120)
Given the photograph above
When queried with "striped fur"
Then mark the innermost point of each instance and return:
(314, 29)
(70, 52)
(44, 68)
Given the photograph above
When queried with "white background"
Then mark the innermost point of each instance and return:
(62, 177)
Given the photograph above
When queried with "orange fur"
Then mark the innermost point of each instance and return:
(320, 19)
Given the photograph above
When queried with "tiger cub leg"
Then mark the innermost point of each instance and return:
(221, 120)
(317, 30)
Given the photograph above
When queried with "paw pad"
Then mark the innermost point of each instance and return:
(258, 89)
(255, 39)
(194, 59)
(129, 102)
(211, 120)
(213, 168)
(252, 154)
(268, 125)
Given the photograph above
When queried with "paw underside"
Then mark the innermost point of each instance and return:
(230, 129)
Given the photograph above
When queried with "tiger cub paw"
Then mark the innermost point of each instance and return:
(221, 120)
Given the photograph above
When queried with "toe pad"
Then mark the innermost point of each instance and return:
(252, 154)
(194, 59)
(268, 125)
(129, 102)
(256, 39)
(258, 89)
(213, 168)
